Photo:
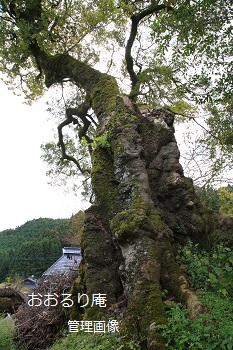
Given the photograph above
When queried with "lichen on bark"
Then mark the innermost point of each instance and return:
(147, 205)
(143, 202)
(143, 205)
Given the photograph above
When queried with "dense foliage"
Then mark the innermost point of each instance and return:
(208, 270)
(212, 330)
(30, 248)
(90, 342)
(176, 54)
(195, 41)
(220, 200)
(211, 276)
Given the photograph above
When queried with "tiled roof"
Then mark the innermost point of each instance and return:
(68, 261)
(71, 250)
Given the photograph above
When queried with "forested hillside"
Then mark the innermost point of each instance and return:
(34, 246)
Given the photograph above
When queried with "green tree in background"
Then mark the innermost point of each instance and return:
(36, 245)
(34, 257)
(226, 197)
(210, 198)
(220, 199)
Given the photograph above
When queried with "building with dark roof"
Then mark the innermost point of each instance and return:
(30, 282)
(69, 261)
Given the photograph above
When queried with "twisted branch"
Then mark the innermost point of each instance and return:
(81, 113)
(135, 20)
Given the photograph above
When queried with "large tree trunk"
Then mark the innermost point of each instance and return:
(143, 205)
(143, 202)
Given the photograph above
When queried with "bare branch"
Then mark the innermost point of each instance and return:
(81, 113)
(111, 60)
(135, 20)
(63, 147)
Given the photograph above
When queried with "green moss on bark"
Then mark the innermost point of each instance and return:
(145, 309)
(104, 94)
(127, 224)
(103, 179)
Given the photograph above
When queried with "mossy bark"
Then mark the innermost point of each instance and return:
(143, 205)
(143, 202)
(10, 299)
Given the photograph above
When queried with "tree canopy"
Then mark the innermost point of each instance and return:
(176, 54)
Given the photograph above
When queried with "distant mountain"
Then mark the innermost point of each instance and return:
(33, 247)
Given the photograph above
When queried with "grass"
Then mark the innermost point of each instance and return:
(85, 341)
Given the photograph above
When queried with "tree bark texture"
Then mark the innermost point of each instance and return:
(143, 205)
(143, 202)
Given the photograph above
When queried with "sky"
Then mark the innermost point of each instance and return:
(24, 190)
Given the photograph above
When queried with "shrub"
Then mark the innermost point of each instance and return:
(212, 271)
(210, 331)
(211, 274)
(6, 333)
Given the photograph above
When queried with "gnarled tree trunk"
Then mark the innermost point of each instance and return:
(143, 205)
(143, 202)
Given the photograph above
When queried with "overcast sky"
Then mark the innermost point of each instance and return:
(24, 192)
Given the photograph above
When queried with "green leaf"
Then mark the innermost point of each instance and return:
(224, 292)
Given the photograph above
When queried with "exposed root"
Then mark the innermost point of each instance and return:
(194, 306)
